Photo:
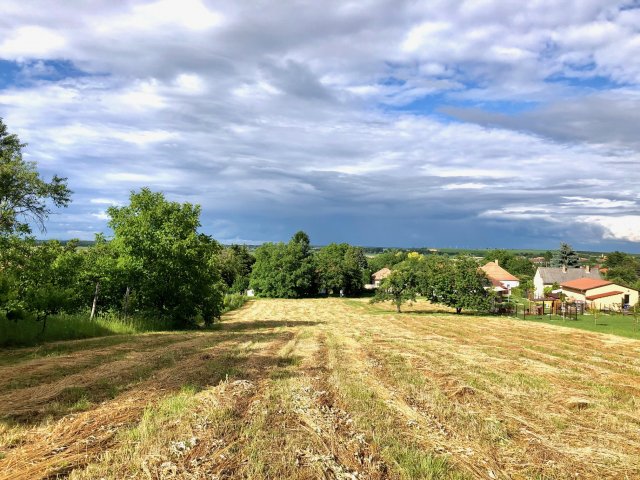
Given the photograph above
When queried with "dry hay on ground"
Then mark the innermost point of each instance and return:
(330, 388)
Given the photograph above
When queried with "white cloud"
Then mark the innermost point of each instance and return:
(334, 108)
(620, 227)
(32, 41)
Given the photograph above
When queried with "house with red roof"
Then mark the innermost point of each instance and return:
(501, 280)
(599, 293)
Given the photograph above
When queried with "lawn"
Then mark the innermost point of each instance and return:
(326, 388)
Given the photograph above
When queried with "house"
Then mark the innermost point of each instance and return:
(599, 293)
(380, 275)
(501, 280)
(547, 276)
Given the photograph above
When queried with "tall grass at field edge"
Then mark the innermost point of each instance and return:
(28, 332)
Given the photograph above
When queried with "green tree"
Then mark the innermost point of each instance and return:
(23, 193)
(402, 285)
(284, 270)
(103, 282)
(341, 267)
(171, 269)
(236, 263)
(269, 277)
(457, 283)
(566, 256)
(517, 265)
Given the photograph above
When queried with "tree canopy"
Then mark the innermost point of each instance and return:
(284, 270)
(566, 256)
(341, 267)
(171, 268)
(24, 195)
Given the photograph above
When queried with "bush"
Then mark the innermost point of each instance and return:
(233, 301)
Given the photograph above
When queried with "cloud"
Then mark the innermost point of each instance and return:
(390, 123)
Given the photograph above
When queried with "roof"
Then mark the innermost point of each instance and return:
(585, 284)
(552, 275)
(601, 295)
(382, 273)
(496, 272)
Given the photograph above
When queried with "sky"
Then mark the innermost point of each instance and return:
(468, 124)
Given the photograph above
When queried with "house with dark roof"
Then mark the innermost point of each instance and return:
(501, 280)
(548, 276)
(599, 293)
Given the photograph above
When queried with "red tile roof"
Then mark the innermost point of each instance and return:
(602, 295)
(496, 272)
(585, 284)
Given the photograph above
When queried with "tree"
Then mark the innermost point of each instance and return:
(566, 256)
(23, 193)
(457, 283)
(519, 266)
(402, 285)
(284, 270)
(235, 267)
(302, 275)
(340, 267)
(102, 280)
(171, 268)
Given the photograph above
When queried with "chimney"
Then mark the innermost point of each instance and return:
(564, 269)
(497, 263)
(587, 268)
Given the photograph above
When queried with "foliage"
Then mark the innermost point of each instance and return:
(28, 331)
(170, 267)
(23, 193)
(403, 283)
(623, 269)
(517, 265)
(566, 256)
(457, 283)
(235, 267)
(284, 270)
(341, 267)
(233, 301)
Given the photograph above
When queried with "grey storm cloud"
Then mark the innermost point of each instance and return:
(276, 116)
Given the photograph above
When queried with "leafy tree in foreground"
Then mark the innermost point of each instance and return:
(171, 268)
(457, 283)
(403, 284)
(566, 256)
(23, 193)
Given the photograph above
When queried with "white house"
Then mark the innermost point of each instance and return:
(502, 280)
(547, 276)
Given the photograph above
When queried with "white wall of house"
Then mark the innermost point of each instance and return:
(538, 285)
(510, 283)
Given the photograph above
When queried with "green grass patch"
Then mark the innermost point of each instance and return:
(28, 332)
(621, 325)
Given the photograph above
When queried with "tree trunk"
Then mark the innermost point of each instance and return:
(44, 324)
(458, 310)
(95, 301)
(126, 301)
(398, 307)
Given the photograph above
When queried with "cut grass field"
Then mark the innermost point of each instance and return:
(326, 388)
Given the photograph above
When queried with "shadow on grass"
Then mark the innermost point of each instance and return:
(239, 326)
(199, 366)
